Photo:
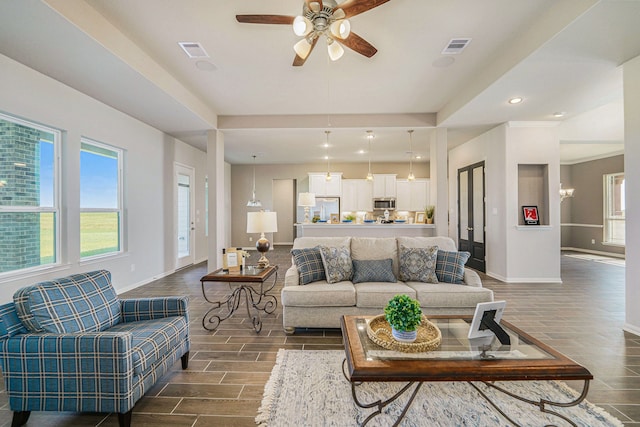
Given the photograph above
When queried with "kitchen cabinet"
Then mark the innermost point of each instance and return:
(384, 185)
(412, 195)
(356, 195)
(321, 187)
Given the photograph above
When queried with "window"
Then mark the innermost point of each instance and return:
(100, 199)
(29, 208)
(614, 209)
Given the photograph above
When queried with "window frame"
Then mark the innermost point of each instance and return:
(55, 209)
(608, 216)
(120, 200)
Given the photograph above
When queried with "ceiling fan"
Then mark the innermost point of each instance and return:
(323, 18)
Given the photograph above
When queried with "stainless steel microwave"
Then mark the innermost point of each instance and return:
(388, 204)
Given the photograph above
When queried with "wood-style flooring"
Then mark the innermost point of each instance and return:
(582, 317)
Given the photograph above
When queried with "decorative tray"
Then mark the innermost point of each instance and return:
(429, 336)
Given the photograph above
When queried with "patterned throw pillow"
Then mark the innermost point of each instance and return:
(450, 266)
(337, 263)
(378, 270)
(418, 264)
(309, 264)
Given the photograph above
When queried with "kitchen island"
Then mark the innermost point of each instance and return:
(365, 230)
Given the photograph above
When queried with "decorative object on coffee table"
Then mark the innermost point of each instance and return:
(429, 336)
(404, 315)
(262, 222)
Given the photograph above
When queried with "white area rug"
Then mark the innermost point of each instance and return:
(307, 388)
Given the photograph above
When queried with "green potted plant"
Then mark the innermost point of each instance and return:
(404, 315)
(429, 211)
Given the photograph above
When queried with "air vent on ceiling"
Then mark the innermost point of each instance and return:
(456, 46)
(193, 49)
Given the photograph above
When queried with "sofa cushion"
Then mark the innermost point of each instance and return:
(374, 270)
(367, 248)
(418, 264)
(337, 263)
(78, 303)
(447, 295)
(309, 264)
(444, 243)
(152, 339)
(319, 294)
(450, 266)
(377, 294)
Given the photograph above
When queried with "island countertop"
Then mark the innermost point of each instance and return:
(365, 230)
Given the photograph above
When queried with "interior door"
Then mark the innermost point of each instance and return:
(471, 212)
(184, 216)
(284, 203)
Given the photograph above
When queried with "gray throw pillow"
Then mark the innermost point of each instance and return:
(337, 263)
(378, 270)
(418, 264)
(308, 261)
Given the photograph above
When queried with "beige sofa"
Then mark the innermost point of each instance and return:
(321, 305)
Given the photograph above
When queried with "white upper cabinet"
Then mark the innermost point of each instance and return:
(321, 187)
(356, 195)
(412, 195)
(384, 185)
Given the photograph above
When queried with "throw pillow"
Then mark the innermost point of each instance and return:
(418, 264)
(450, 266)
(309, 264)
(337, 263)
(378, 270)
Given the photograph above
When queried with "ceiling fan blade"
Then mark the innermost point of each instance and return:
(265, 19)
(355, 7)
(360, 45)
(299, 61)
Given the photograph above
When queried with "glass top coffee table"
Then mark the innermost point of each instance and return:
(457, 359)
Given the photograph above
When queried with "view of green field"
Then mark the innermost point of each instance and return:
(98, 235)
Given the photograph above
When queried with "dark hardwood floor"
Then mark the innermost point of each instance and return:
(582, 317)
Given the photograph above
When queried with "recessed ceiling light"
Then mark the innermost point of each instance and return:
(418, 157)
(205, 66)
(443, 61)
(516, 100)
(361, 152)
(326, 157)
(559, 114)
(325, 145)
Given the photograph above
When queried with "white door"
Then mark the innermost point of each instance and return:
(184, 215)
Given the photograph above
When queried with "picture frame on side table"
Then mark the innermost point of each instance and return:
(420, 218)
(335, 218)
(530, 215)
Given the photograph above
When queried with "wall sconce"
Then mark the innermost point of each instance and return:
(565, 193)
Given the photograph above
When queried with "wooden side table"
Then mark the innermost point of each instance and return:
(241, 284)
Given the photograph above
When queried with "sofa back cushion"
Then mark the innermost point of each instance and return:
(78, 303)
(310, 242)
(443, 243)
(372, 248)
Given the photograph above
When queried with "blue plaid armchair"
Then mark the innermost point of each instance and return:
(71, 344)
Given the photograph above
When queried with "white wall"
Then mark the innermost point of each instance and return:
(148, 238)
(510, 256)
(632, 178)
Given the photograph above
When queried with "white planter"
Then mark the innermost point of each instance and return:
(404, 336)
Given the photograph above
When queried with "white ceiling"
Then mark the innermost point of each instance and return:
(560, 55)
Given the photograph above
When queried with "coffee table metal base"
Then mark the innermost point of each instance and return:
(542, 404)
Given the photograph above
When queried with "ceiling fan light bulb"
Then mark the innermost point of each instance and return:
(302, 48)
(302, 26)
(335, 50)
(411, 176)
(328, 176)
(341, 28)
(369, 176)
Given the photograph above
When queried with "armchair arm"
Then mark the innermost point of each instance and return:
(471, 278)
(154, 308)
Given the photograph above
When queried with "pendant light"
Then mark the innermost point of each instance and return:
(254, 203)
(369, 138)
(411, 176)
(328, 176)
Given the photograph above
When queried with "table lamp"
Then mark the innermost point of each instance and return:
(307, 200)
(262, 222)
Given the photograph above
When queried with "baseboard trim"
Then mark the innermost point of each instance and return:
(588, 251)
(631, 329)
(524, 279)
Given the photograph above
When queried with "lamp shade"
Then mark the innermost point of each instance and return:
(262, 222)
(302, 26)
(340, 28)
(302, 48)
(335, 50)
(307, 199)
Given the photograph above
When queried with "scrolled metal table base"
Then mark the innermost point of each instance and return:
(543, 404)
(258, 300)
